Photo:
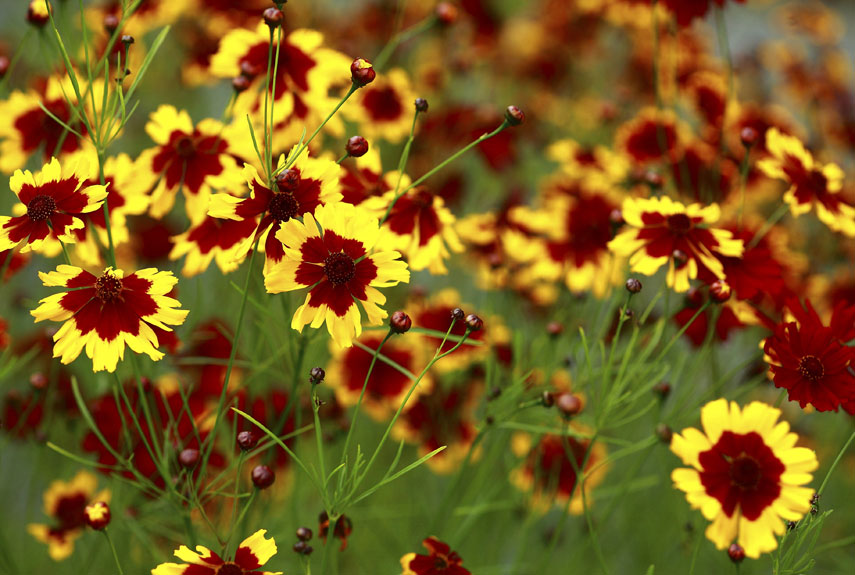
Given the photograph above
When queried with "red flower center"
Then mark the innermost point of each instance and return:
(440, 562)
(283, 206)
(339, 268)
(679, 223)
(41, 208)
(108, 288)
(745, 472)
(185, 147)
(811, 368)
(229, 569)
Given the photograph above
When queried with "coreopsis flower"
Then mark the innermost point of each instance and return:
(658, 229)
(547, 472)
(363, 178)
(194, 160)
(685, 11)
(104, 314)
(811, 361)
(149, 15)
(341, 529)
(745, 474)
(812, 185)
(299, 190)
(652, 136)
(213, 239)
(420, 226)
(387, 386)
(65, 503)
(331, 254)
(440, 560)
(252, 554)
(51, 206)
(25, 128)
(597, 166)
(435, 314)
(384, 108)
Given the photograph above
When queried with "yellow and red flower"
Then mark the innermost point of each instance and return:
(384, 108)
(812, 185)
(440, 560)
(253, 553)
(662, 231)
(65, 503)
(51, 207)
(745, 474)
(330, 253)
(213, 239)
(300, 189)
(104, 314)
(195, 160)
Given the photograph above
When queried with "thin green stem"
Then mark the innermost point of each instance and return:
(401, 37)
(835, 463)
(113, 549)
(770, 223)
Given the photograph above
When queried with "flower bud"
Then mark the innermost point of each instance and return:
(4, 66)
(356, 147)
(37, 13)
(317, 375)
(240, 83)
(554, 328)
(421, 105)
(616, 217)
(400, 322)
(736, 553)
(188, 458)
(111, 23)
(547, 399)
(680, 258)
(720, 291)
(302, 548)
(446, 13)
(474, 323)
(304, 534)
(653, 180)
(458, 314)
(662, 389)
(514, 116)
(664, 433)
(568, 404)
(38, 380)
(128, 40)
(97, 515)
(247, 440)
(362, 72)
(288, 181)
(262, 476)
(273, 17)
(749, 137)
(633, 285)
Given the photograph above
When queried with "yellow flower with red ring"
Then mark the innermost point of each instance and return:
(52, 204)
(745, 474)
(213, 239)
(812, 185)
(104, 314)
(384, 108)
(253, 553)
(662, 231)
(65, 502)
(330, 254)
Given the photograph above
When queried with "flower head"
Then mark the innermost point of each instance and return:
(658, 228)
(50, 209)
(253, 552)
(330, 253)
(440, 560)
(745, 474)
(104, 314)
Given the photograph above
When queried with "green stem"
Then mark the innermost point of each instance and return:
(835, 463)
(110, 244)
(770, 223)
(19, 50)
(743, 184)
(113, 549)
(235, 501)
(401, 37)
(343, 158)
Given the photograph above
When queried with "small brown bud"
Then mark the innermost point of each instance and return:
(300, 547)
(791, 525)
(494, 393)
(664, 433)
(304, 534)
(633, 285)
(4, 65)
(680, 258)
(262, 476)
(356, 147)
(653, 180)
(317, 375)
(458, 314)
(288, 181)
(111, 23)
(127, 40)
(736, 553)
(554, 328)
(421, 105)
(474, 323)
(249, 70)
(568, 404)
(662, 389)
(39, 381)
(547, 399)
(273, 17)
(749, 137)
(400, 322)
(247, 440)
(490, 420)
(97, 515)
(188, 458)
(240, 83)
(37, 14)
(362, 72)
(514, 116)
(720, 291)
(446, 13)
(616, 217)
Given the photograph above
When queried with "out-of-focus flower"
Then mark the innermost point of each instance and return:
(440, 560)
(50, 208)
(745, 474)
(342, 528)
(338, 267)
(811, 184)
(65, 504)
(651, 136)
(252, 554)
(384, 108)
(104, 314)
(660, 227)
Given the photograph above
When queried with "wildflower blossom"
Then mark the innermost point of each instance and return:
(65, 502)
(440, 560)
(330, 253)
(384, 108)
(104, 314)
(52, 202)
(253, 553)
(659, 227)
(745, 474)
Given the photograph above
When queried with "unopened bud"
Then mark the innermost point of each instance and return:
(304, 534)
(547, 399)
(111, 23)
(37, 13)
(736, 553)
(188, 458)
(474, 323)
(317, 375)
(240, 83)
(653, 180)
(680, 258)
(554, 328)
(446, 13)
(568, 404)
(356, 147)
(362, 72)
(4, 66)
(720, 291)
(97, 515)
(662, 389)
(273, 17)
(664, 433)
(633, 285)
(421, 105)
(400, 322)
(38, 380)
(127, 40)
(262, 476)
(288, 181)
(749, 136)
(514, 116)
(458, 314)
(247, 440)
